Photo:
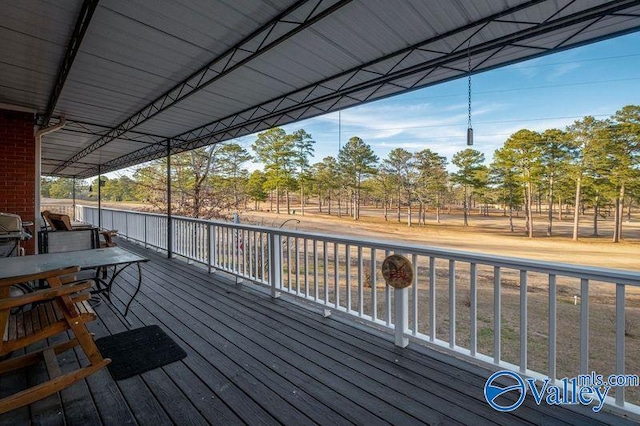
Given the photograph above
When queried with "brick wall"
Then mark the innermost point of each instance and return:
(17, 166)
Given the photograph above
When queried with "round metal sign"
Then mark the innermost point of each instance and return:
(397, 271)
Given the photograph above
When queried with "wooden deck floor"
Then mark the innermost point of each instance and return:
(254, 360)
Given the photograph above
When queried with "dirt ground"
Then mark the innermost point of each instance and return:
(485, 234)
(488, 235)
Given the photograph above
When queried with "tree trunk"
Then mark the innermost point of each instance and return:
(302, 198)
(511, 213)
(622, 195)
(464, 207)
(409, 213)
(356, 204)
(528, 209)
(286, 194)
(596, 212)
(539, 201)
(386, 209)
(576, 214)
(278, 199)
(560, 210)
(616, 235)
(550, 212)
(617, 228)
(399, 206)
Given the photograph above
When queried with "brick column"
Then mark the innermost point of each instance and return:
(17, 166)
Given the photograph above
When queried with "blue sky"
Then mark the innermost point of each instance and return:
(547, 92)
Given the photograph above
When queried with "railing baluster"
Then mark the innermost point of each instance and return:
(497, 314)
(251, 247)
(288, 263)
(360, 284)
(245, 262)
(584, 326)
(374, 286)
(263, 263)
(228, 248)
(347, 268)
(452, 304)
(473, 309)
(325, 260)
(523, 321)
(432, 299)
(387, 293)
(315, 269)
(306, 268)
(275, 264)
(553, 327)
(336, 273)
(210, 245)
(297, 254)
(236, 250)
(414, 294)
(620, 343)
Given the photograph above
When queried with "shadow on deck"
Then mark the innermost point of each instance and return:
(255, 360)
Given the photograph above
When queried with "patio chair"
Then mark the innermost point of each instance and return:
(62, 222)
(66, 241)
(58, 308)
(58, 222)
(72, 240)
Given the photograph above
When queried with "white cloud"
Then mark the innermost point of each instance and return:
(562, 69)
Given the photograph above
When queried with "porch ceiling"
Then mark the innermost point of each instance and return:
(132, 76)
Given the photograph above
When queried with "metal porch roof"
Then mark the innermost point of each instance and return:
(131, 77)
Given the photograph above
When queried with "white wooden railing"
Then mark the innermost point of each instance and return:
(538, 318)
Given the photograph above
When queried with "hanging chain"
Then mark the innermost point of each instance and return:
(469, 79)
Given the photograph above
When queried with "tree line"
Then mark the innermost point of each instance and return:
(590, 166)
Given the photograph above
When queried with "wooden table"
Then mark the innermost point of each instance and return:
(117, 257)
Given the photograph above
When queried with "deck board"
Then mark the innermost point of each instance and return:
(255, 360)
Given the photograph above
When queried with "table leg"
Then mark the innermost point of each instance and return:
(126, 311)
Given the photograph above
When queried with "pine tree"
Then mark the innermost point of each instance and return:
(357, 161)
(468, 162)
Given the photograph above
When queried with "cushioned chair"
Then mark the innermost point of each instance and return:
(55, 309)
(62, 222)
(58, 222)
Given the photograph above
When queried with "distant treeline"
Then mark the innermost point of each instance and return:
(590, 165)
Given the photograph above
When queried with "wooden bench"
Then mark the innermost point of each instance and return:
(51, 311)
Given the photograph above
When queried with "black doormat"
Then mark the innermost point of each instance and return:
(135, 351)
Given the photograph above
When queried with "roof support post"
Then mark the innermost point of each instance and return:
(169, 222)
(73, 193)
(99, 198)
(38, 141)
